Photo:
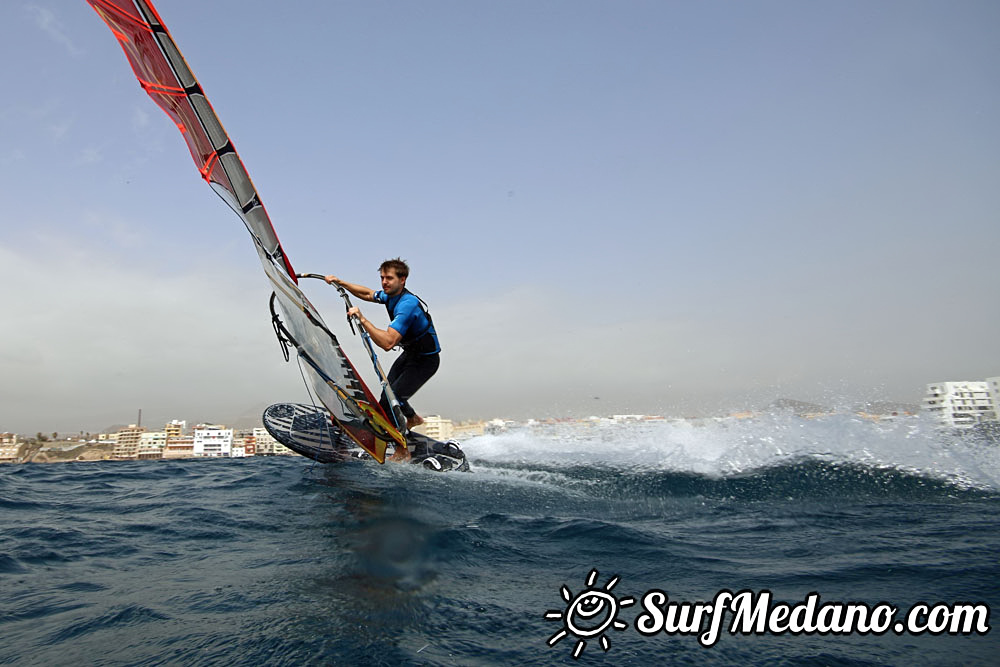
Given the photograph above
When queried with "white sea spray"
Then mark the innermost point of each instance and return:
(726, 447)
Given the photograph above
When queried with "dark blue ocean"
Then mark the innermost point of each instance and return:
(280, 561)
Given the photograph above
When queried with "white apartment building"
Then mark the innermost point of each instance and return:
(993, 384)
(960, 404)
(239, 449)
(8, 447)
(151, 444)
(153, 440)
(213, 441)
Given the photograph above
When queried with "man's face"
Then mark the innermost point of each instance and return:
(391, 283)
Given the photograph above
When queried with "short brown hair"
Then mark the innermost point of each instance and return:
(397, 265)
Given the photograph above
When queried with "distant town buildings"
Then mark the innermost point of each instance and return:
(963, 404)
(205, 441)
(176, 442)
(958, 405)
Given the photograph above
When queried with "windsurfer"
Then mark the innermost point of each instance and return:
(410, 327)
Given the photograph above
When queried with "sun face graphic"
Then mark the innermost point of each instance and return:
(589, 614)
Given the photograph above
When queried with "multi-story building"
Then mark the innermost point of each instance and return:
(151, 444)
(993, 385)
(8, 447)
(250, 444)
(266, 445)
(239, 449)
(179, 447)
(960, 404)
(213, 441)
(127, 442)
(175, 429)
(435, 426)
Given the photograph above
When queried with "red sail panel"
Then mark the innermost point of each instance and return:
(166, 78)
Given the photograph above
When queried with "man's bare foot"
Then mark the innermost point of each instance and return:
(401, 455)
(415, 420)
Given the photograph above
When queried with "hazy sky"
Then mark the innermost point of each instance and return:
(661, 207)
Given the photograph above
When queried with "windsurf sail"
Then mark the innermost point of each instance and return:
(395, 409)
(164, 75)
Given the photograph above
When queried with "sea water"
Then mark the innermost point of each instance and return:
(281, 561)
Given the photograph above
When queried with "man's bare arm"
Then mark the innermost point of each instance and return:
(386, 339)
(360, 291)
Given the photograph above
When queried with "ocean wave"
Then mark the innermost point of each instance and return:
(805, 478)
(835, 454)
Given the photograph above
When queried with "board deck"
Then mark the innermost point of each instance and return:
(309, 431)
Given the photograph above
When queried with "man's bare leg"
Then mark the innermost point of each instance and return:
(401, 455)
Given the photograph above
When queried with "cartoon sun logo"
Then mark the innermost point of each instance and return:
(589, 614)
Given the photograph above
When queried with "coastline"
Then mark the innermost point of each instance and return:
(44, 453)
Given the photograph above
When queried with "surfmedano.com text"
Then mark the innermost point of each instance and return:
(754, 613)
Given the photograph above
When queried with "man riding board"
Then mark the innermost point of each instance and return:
(410, 327)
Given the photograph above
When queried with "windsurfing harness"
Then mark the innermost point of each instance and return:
(411, 318)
